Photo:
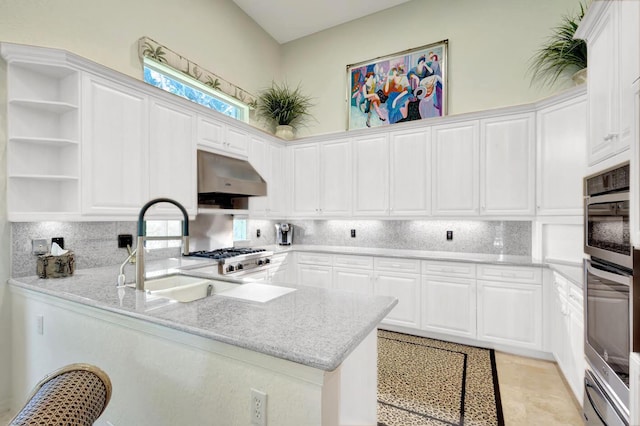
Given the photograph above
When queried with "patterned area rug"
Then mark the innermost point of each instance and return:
(431, 382)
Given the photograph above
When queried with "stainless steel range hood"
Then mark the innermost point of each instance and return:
(225, 182)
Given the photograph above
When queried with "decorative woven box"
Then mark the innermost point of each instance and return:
(50, 266)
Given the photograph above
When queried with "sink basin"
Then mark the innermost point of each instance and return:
(186, 289)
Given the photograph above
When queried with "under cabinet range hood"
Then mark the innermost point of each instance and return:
(226, 183)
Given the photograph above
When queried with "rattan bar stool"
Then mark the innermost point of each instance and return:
(75, 395)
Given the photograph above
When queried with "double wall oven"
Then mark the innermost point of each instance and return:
(612, 272)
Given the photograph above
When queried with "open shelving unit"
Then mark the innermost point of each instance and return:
(44, 140)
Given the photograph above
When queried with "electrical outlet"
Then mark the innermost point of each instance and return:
(258, 408)
(39, 246)
(258, 233)
(59, 241)
(353, 233)
(40, 324)
(449, 235)
(125, 240)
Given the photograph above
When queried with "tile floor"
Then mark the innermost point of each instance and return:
(533, 393)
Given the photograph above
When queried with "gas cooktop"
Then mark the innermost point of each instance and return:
(228, 252)
(236, 259)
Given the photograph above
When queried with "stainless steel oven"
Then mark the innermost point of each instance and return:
(610, 319)
(606, 216)
(608, 329)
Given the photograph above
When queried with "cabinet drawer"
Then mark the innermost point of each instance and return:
(448, 269)
(348, 261)
(396, 265)
(519, 274)
(279, 259)
(315, 258)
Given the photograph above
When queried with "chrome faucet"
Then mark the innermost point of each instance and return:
(130, 259)
(142, 236)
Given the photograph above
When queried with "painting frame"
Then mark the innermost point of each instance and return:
(404, 86)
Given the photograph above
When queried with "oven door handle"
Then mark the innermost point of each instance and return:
(617, 278)
(608, 198)
(593, 404)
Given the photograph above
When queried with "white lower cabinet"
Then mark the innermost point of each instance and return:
(568, 333)
(315, 275)
(354, 280)
(449, 305)
(510, 314)
(406, 288)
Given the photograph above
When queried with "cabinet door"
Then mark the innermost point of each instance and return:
(510, 314)
(279, 275)
(172, 157)
(354, 280)
(456, 169)
(335, 178)
(315, 276)
(577, 362)
(410, 183)
(258, 156)
(603, 88)
(211, 133)
(275, 186)
(371, 176)
(406, 288)
(237, 141)
(449, 305)
(114, 148)
(305, 180)
(562, 157)
(507, 165)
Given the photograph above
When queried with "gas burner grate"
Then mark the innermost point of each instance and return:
(225, 253)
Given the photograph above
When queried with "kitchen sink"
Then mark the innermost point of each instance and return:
(185, 288)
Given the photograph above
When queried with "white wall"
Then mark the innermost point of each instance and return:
(490, 43)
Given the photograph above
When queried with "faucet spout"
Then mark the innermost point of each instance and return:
(142, 236)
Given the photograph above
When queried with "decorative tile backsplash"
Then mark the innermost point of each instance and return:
(489, 237)
(95, 243)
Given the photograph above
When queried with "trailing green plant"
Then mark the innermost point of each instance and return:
(280, 105)
(157, 53)
(562, 53)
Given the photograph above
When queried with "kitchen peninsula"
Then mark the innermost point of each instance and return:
(310, 350)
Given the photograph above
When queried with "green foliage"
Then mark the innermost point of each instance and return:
(562, 53)
(157, 53)
(282, 106)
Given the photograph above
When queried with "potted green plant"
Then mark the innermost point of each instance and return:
(562, 53)
(284, 108)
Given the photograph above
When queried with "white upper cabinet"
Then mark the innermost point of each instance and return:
(172, 156)
(214, 135)
(371, 176)
(276, 200)
(115, 146)
(456, 169)
(335, 178)
(611, 31)
(507, 149)
(410, 183)
(322, 179)
(561, 157)
(306, 199)
(259, 159)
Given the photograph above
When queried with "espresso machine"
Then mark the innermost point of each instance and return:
(284, 233)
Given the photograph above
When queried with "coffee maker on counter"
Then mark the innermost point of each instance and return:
(284, 233)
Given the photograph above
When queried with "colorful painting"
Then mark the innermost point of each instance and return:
(405, 86)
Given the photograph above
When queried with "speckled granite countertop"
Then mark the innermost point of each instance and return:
(498, 259)
(311, 326)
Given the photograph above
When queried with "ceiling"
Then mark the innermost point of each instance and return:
(287, 20)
